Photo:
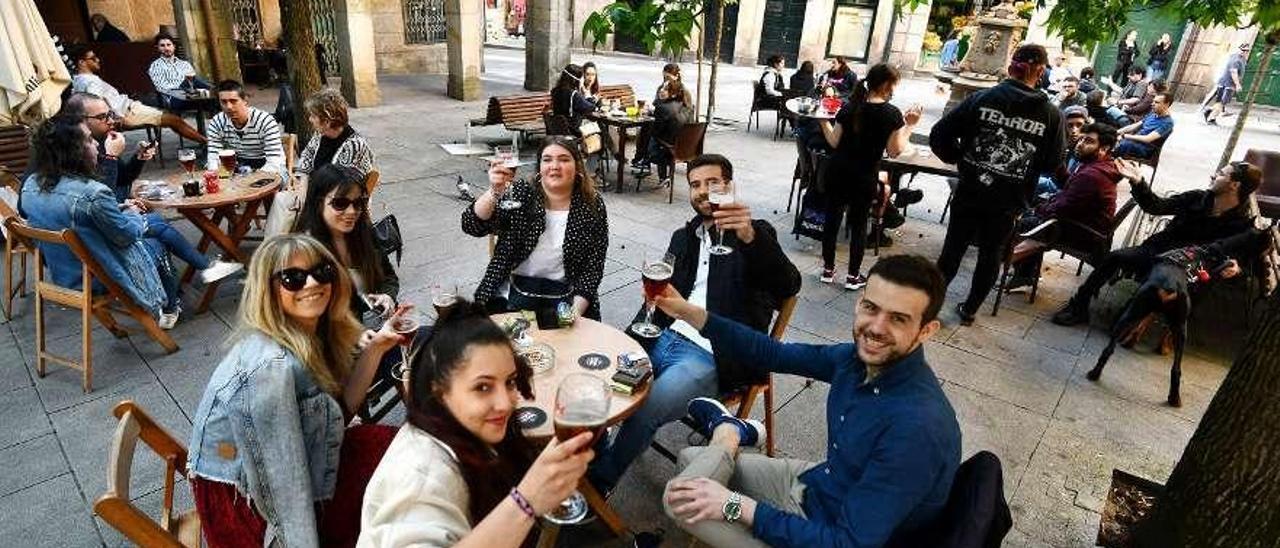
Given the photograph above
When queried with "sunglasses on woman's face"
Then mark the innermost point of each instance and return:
(341, 204)
(294, 279)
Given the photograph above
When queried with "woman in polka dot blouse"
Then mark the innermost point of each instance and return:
(552, 234)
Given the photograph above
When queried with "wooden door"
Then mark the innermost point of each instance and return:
(1269, 91)
(728, 38)
(67, 19)
(783, 23)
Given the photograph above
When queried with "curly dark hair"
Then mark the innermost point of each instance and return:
(341, 180)
(59, 151)
(489, 472)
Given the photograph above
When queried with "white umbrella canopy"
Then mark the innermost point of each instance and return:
(32, 75)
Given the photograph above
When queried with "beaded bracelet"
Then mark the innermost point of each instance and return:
(522, 502)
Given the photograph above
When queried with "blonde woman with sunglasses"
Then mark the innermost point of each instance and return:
(266, 438)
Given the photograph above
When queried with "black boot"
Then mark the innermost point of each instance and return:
(1075, 312)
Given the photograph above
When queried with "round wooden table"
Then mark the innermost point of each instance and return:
(208, 211)
(583, 337)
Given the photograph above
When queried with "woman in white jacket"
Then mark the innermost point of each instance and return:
(461, 473)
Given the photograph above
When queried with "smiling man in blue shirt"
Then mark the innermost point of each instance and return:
(893, 440)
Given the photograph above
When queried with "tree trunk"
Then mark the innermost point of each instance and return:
(1225, 489)
(715, 61)
(1246, 106)
(304, 74)
(697, 102)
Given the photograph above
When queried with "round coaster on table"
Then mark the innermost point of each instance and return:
(594, 361)
(530, 417)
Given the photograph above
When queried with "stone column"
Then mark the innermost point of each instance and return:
(746, 49)
(465, 37)
(549, 27)
(354, 22)
(214, 57)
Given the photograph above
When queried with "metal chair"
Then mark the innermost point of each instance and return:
(760, 101)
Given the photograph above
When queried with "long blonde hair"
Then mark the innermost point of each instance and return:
(327, 354)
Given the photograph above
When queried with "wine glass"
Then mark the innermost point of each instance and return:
(720, 194)
(187, 157)
(655, 276)
(443, 298)
(406, 325)
(582, 404)
(510, 159)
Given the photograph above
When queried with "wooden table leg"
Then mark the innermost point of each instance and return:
(230, 243)
(622, 155)
(548, 534)
(602, 508)
(202, 247)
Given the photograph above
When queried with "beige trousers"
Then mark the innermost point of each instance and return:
(764, 479)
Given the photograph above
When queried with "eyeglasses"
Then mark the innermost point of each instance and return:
(294, 279)
(341, 204)
(104, 117)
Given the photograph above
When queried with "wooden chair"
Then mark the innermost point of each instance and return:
(1268, 193)
(290, 143)
(688, 146)
(371, 181)
(82, 299)
(15, 149)
(1087, 245)
(745, 397)
(12, 248)
(114, 506)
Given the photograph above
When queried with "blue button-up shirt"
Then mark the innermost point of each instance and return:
(893, 442)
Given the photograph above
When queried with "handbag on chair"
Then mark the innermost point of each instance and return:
(387, 238)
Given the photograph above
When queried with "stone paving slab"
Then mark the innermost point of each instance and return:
(1016, 380)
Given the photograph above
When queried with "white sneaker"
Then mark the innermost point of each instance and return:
(219, 270)
(168, 319)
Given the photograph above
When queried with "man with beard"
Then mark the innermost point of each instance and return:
(746, 285)
(1088, 198)
(893, 443)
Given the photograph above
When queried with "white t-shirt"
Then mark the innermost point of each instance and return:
(698, 295)
(547, 258)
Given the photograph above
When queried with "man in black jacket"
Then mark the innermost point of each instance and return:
(1199, 217)
(745, 285)
(1001, 139)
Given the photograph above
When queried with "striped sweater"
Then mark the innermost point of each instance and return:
(258, 139)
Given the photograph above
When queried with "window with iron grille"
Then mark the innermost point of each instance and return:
(246, 21)
(424, 21)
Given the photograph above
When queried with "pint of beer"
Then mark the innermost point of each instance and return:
(226, 163)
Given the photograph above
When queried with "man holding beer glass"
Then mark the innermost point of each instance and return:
(746, 285)
(242, 135)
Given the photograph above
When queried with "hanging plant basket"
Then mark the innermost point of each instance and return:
(1129, 501)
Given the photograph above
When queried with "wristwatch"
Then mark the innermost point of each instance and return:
(732, 508)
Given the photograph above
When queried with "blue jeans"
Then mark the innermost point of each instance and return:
(683, 371)
(174, 242)
(1131, 149)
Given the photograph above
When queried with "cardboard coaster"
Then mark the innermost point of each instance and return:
(594, 361)
(530, 417)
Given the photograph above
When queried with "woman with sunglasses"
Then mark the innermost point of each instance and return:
(551, 241)
(460, 472)
(267, 435)
(336, 212)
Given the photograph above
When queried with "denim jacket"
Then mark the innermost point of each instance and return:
(114, 237)
(266, 427)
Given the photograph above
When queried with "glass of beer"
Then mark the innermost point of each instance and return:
(582, 405)
(656, 276)
(443, 298)
(227, 161)
(720, 194)
(187, 157)
(406, 325)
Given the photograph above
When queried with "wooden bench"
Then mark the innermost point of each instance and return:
(522, 113)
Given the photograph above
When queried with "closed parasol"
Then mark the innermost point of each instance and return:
(32, 75)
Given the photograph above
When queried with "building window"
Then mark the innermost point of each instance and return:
(246, 24)
(851, 26)
(424, 21)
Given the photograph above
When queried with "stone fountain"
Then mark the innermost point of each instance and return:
(1000, 30)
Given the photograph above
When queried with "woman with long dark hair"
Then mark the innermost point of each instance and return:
(673, 109)
(839, 78)
(591, 81)
(802, 79)
(568, 99)
(461, 473)
(551, 238)
(336, 212)
(866, 127)
(1126, 52)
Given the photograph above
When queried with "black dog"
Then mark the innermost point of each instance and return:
(1164, 292)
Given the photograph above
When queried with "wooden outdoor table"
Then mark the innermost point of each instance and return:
(199, 103)
(623, 123)
(584, 336)
(236, 202)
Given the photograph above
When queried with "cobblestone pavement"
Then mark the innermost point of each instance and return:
(1016, 380)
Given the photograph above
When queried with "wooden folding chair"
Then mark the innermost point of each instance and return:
(82, 299)
(114, 506)
(745, 397)
(371, 181)
(290, 143)
(12, 248)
